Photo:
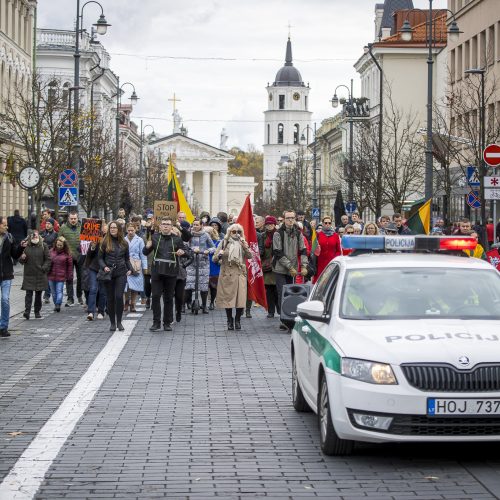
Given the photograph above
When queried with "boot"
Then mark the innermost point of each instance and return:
(26, 314)
(178, 316)
(133, 299)
(237, 324)
(155, 327)
(204, 296)
(229, 315)
(148, 303)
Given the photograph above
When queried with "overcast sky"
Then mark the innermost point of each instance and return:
(153, 42)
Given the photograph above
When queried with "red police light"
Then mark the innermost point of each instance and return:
(457, 243)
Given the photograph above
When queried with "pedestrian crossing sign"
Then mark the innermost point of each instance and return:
(68, 196)
(473, 176)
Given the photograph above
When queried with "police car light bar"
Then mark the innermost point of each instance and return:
(408, 243)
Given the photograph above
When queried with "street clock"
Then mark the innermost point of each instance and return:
(29, 177)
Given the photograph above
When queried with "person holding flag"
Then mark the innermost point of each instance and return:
(174, 193)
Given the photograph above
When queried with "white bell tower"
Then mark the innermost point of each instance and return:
(286, 120)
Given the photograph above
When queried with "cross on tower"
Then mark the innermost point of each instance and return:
(174, 100)
(289, 29)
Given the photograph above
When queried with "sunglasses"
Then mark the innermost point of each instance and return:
(327, 223)
(235, 232)
(280, 220)
(349, 232)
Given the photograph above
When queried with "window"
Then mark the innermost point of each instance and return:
(459, 63)
(65, 95)
(452, 66)
(280, 133)
(490, 56)
(281, 101)
(268, 134)
(467, 55)
(483, 48)
(326, 286)
(305, 100)
(296, 131)
(474, 52)
(52, 92)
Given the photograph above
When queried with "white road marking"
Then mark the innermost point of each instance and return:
(492, 155)
(24, 479)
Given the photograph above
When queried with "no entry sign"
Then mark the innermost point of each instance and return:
(491, 155)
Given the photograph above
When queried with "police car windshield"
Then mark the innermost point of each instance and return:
(417, 293)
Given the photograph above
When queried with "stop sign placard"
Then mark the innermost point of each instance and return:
(491, 155)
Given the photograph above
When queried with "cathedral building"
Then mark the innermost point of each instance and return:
(286, 120)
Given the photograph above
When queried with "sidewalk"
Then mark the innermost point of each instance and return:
(16, 294)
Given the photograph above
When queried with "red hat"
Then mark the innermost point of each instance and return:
(270, 220)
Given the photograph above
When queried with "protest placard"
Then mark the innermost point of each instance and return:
(91, 230)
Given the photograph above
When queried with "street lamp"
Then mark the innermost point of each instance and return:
(315, 186)
(407, 35)
(133, 100)
(335, 103)
(142, 170)
(482, 134)
(101, 27)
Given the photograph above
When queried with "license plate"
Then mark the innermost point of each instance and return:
(438, 406)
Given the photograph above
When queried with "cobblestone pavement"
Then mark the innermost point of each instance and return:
(199, 413)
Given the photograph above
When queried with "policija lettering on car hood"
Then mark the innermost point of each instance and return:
(442, 336)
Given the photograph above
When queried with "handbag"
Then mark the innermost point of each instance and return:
(103, 276)
(136, 265)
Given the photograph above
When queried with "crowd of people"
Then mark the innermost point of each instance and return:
(195, 266)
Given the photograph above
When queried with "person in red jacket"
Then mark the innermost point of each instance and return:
(46, 215)
(328, 246)
(60, 271)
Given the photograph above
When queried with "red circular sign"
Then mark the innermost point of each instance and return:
(491, 155)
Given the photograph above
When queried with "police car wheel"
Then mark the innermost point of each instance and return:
(299, 402)
(330, 443)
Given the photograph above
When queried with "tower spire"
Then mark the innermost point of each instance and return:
(288, 57)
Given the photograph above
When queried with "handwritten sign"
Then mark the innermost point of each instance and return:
(165, 209)
(91, 230)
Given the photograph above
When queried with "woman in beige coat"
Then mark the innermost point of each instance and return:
(232, 254)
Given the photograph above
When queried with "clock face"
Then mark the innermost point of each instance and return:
(29, 177)
(296, 96)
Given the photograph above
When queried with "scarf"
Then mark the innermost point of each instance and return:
(234, 252)
(269, 238)
(197, 233)
(328, 231)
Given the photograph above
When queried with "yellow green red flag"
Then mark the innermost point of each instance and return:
(175, 192)
(420, 221)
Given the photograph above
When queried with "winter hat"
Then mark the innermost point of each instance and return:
(271, 220)
(51, 220)
(185, 224)
(216, 220)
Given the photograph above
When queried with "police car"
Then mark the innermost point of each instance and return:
(400, 346)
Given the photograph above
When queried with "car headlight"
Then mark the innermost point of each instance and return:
(368, 371)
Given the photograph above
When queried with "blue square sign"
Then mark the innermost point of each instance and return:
(68, 196)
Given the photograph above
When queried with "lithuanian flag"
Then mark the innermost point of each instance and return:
(420, 221)
(314, 243)
(174, 192)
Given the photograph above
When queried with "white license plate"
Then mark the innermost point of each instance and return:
(438, 406)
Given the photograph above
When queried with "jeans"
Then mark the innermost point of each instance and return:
(115, 290)
(69, 284)
(57, 290)
(97, 294)
(5, 304)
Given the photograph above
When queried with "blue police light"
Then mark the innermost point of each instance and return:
(361, 242)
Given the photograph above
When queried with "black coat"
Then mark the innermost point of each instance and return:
(10, 250)
(17, 227)
(164, 247)
(92, 259)
(49, 238)
(118, 260)
(36, 266)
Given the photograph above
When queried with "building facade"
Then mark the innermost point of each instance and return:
(287, 120)
(16, 62)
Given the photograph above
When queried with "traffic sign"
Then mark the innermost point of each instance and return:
(473, 176)
(473, 199)
(350, 207)
(492, 194)
(68, 196)
(68, 178)
(491, 155)
(315, 213)
(493, 182)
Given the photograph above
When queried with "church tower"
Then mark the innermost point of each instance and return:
(286, 119)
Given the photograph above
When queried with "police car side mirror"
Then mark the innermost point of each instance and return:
(313, 310)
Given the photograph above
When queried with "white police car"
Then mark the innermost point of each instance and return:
(400, 346)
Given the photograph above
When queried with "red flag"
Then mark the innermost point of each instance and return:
(494, 258)
(255, 277)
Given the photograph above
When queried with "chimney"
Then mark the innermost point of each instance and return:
(386, 32)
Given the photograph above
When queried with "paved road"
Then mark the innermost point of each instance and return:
(197, 413)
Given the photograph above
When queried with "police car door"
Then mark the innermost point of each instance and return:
(318, 333)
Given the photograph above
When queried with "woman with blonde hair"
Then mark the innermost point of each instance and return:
(371, 229)
(232, 254)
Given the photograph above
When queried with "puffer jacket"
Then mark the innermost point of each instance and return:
(62, 266)
(118, 260)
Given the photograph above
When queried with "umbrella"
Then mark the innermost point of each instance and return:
(338, 208)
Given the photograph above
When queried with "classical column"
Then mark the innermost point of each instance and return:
(189, 180)
(206, 191)
(223, 191)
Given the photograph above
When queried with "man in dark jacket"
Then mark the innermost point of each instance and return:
(9, 250)
(18, 227)
(49, 235)
(166, 249)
